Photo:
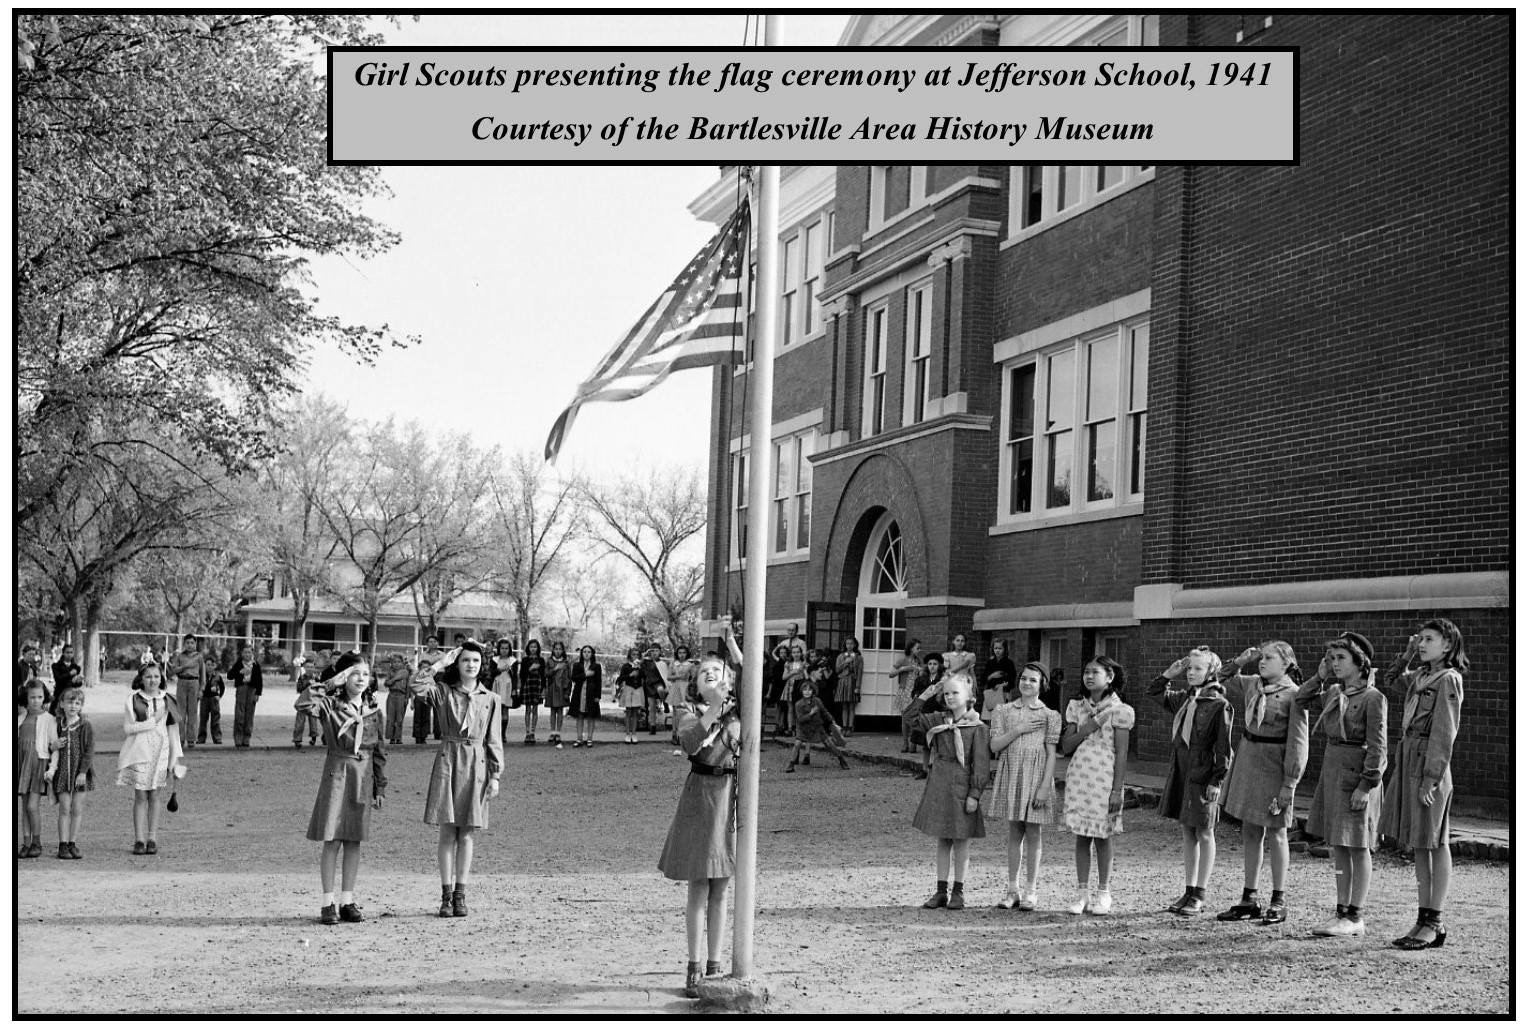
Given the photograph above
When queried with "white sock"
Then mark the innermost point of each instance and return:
(347, 898)
(327, 898)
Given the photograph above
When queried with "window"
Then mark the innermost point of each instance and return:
(1075, 417)
(1112, 646)
(802, 270)
(1041, 192)
(792, 494)
(874, 397)
(894, 191)
(888, 574)
(1124, 30)
(916, 353)
(740, 545)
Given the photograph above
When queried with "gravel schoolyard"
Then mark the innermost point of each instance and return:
(568, 913)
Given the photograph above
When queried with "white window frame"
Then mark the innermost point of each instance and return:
(792, 492)
(918, 346)
(1123, 30)
(1127, 418)
(877, 219)
(739, 481)
(1089, 196)
(873, 406)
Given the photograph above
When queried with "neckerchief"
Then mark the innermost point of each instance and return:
(967, 719)
(1257, 711)
(352, 715)
(1338, 704)
(1183, 722)
(1425, 683)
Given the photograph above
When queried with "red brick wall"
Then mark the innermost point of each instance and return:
(1332, 342)
(1085, 562)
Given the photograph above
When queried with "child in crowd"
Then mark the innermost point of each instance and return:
(1201, 757)
(849, 668)
(1420, 788)
(1024, 737)
(926, 700)
(905, 673)
(71, 770)
(533, 676)
(958, 661)
(503, 670)
(307, 668)
(211, 704)
(467, 772)
(814, 726)
(794, 674)
(150, 753)
(353, 777)
(999, 682)
(1275, 744)
(949, 810)
(699, 848)
(586, 695)
(557, 691)
(630, 685)
(1349, 794)
(36, 737)
(1096, 734)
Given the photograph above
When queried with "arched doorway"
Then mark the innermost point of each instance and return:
(880, 616)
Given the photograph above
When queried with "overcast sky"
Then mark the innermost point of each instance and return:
(518, 280)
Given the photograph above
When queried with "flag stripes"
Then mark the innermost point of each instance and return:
(699, 320)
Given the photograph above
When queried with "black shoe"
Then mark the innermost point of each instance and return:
(350, 914)
(297, 744)
(458, 901)
(843, 764)
(63, 850)
(215, 741)
(74, 851)
(329, 914)
(1192, 906)
(1276, 913)
(694, 974)
(1181, 899)
(921, 775)
(201, 741)
(955, 901)
(1241, 911)
(939, 900)
(139, 849)
(152, 847)
(446, 904)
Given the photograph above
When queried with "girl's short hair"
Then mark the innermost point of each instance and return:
(450, 675)
(70, 693)
(137, 681)
(937, 657)
(960, 680)
(1116, 675)
(679, 649)
(1284, 651)
(1457, 658)
(1038, 667)
(26, 689)
(693, 695)
(1211, 659)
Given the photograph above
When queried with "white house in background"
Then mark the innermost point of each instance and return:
(477, 614)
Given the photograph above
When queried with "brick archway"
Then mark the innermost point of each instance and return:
(879, 484)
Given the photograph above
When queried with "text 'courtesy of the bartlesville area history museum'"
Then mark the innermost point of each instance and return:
(811, 106)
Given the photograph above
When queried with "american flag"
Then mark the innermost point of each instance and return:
(698, 320)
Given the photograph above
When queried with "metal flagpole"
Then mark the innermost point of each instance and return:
(767, 300)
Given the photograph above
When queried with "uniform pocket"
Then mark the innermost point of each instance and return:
(1348, 780)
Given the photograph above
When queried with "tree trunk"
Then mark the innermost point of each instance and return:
(91, 642)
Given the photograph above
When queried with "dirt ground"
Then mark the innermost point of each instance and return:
(569, 914)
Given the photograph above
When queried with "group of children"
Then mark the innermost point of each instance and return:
(1351, 809)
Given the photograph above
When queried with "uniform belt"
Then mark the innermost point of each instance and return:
(712, 771)
(1266, 740)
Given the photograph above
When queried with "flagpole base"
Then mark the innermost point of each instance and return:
(733, 994)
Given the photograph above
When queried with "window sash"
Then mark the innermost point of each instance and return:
(874, 394)
(1041, 192)
(917, 345)
(1095, 462)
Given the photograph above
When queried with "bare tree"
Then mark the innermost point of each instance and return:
(532, 517)
(468, 518)
(399, 508)
(591, 591)
(647, 520)
(302, 546)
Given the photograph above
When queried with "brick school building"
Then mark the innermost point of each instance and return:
(1128, 410)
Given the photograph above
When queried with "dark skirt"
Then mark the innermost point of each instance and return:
(1184, 801)
(1404, 818)
(700, 843)
(584, 703)
(1255, 779)
(1331, 814)
(342, 811)
(942, 808)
